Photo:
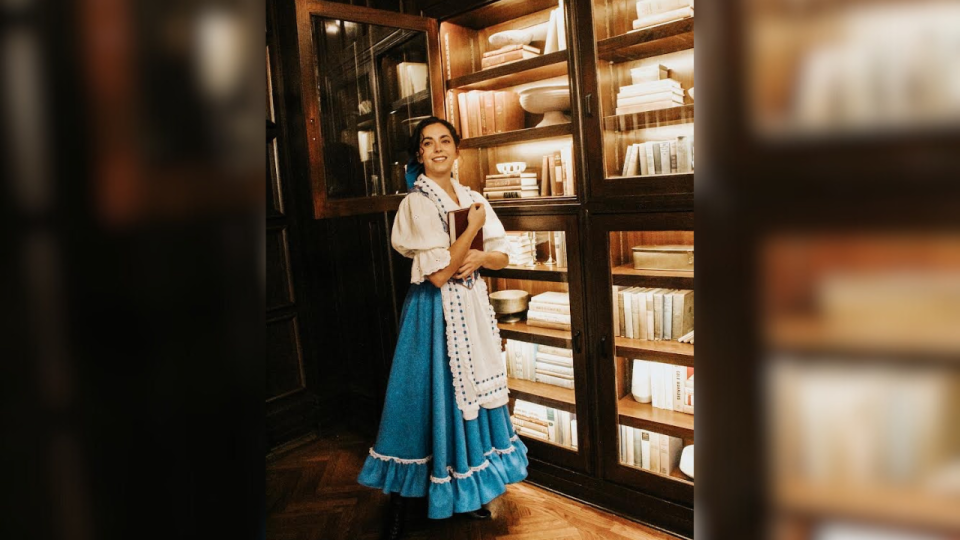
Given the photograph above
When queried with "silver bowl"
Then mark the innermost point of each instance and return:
(509, 304)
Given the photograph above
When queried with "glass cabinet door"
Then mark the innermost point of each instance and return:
(539, 315)
(645, 97)
(366, 83)
(646, 355)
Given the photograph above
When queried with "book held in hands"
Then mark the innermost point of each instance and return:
(457, 223)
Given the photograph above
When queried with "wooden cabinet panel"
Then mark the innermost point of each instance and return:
(284, 357)
(279, 287)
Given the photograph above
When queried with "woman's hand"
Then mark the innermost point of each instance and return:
(471, 263)
(477, 216)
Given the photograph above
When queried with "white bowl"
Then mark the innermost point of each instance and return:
(550, 100)
(514, 167)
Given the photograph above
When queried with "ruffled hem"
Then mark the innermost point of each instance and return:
(467, 492)
(458, 492)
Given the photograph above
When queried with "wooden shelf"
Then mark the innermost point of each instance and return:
(654, 41)
(547, 395)
(660, 117)
(520, 72)
(669, 352)
(422, 96)
(677, 474)
(877, 504)
(540, 272)
(671, 176)
(522, 331)
(671, 279)
(517, 136)
(645, 416)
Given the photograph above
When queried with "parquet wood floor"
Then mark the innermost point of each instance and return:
(312, 494)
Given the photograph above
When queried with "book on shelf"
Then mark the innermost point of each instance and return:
(511, 194)
(547, 378)
(649, 73)
(546, 423)
(457, 223)
(653, 7)
(506, 58)
(509, 48)
(545, 188)
(649, 106)
(648, 87)
(541, 316)
(552, 297)
(653, 313)
(658, 157)
(675, 96)
(556, 351)
(412, 77)
(649, 450)
(486, 112)
(547, 368)
(659, 18)
(561, 27)
(554, 360)
(664, 386)
(512, 181)
(545, 307)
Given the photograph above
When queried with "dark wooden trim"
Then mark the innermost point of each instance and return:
(538, 273)
(498, 12)
(521, 331)
(626, 275)
(669, 352)
(645, 416)
(517, 136)
(543, 394)
(514, 73)
(365, 15)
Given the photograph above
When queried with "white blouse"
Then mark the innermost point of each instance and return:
(473, 339)
(418, 232)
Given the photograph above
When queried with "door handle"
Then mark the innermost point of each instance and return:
(603, 347)
(577, 342)
(588, 105)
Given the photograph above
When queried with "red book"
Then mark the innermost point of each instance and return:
(457, 223)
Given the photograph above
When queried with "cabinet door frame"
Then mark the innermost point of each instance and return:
(324, 206)
(598, 289)
(582, 459)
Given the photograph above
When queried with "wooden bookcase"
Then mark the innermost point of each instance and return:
(596, 61)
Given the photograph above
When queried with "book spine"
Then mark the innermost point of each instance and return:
(545, 190)
(549, 308)
(683, 155)
(555, 351)
(667, 315)
(651, 162)
(616, 319)
(558, 174)
(628, 313)
(665, 156)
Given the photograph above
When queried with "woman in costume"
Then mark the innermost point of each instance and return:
(445, 433)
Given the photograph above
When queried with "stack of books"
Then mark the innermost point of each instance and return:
(650, 451)
(485, 112)
(653, 12)
(545, 423)
(512, 186)
(522, 250)
(652, 314)
(554, 366)
(521, 360)
(556, 173)
(666, 386)
(651, 89)
(550, 310)
(659, 157)
(505, 55)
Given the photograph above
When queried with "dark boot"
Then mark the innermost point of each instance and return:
(480, 513)
(394, 526)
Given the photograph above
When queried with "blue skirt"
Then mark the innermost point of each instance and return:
(424, 447)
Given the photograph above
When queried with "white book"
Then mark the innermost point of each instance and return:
(566, 158)
(655, 382)
(645, 449)
(651, 167)
(561, 27)
(649, 106)
(555, 351)
(682, 313)
(628, 312)
(665, 156)
(649, 73)
(547, 317)
(563, 371)
(551, 45)
(554, 359)
(679, 381)
(654, 452)
(660, 18)
(667, 314)
(556, 381)
(640, 299)
(650, 87)
(552, 297)
(573, 432)
(616, 315)
(670, 448)
(665, 95)
(544, 307)
(630, 436)
(684, 163)
(650, 7)
(628, 160)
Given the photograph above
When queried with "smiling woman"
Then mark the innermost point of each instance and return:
(453, 444)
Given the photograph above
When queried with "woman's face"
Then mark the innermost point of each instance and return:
(437, 151)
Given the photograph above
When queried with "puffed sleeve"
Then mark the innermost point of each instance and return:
(418, 234)
(494, 237)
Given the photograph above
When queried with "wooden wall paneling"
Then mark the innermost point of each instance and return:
(285, 373)
(280, 292)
